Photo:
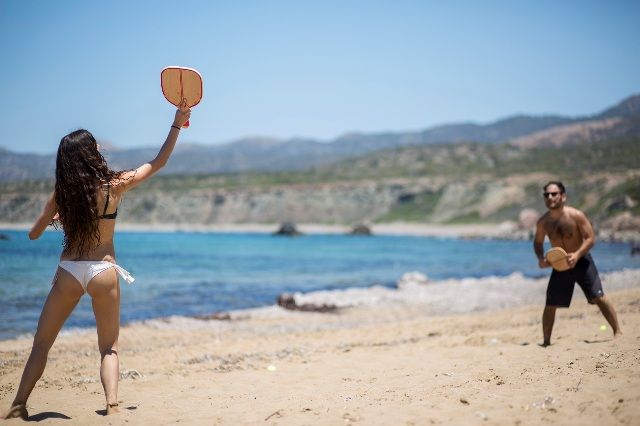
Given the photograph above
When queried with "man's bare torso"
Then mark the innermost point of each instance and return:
(563, 230)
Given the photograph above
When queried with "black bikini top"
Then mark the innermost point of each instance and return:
(106, 205)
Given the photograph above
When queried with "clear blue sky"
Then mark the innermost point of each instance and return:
(300, 68)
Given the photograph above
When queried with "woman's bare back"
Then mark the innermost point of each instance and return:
(105, 249)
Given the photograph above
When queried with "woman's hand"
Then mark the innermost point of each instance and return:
(182, 115)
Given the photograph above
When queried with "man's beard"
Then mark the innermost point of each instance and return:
(557, 206)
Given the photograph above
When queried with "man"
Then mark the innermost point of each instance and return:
(570, 229)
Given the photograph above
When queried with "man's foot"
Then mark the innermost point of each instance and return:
(544, 344)
(617, 334)
(17, 410)
(112, 408)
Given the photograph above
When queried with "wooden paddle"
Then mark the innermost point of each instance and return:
(181, 84)
(557, 257)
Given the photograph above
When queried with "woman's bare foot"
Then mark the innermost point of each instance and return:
(17, 410)
(112, 409)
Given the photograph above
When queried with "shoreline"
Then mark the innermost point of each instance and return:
(502, 231)
(414, 295)
(383, 229)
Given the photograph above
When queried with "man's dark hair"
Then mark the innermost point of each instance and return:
(556, 183)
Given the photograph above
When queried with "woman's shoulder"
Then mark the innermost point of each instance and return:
(118, 184)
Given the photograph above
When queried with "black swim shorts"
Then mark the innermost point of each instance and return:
(560, 288)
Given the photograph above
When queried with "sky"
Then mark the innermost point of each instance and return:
(311, 69)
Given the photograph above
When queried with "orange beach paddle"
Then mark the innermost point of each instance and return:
(557, 257)
(181, 84)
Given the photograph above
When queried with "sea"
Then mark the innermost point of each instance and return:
(194, 274)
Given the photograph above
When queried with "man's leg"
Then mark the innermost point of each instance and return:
(609, 312)
(559, 294)
(592, 288)
(548, 318)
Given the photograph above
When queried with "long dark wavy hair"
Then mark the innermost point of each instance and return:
(80, 172)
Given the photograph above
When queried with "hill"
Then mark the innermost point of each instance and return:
(461, 183)
(263, 154)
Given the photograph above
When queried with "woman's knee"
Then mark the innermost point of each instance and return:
(108, 344)
(41, 344)
(109, 350)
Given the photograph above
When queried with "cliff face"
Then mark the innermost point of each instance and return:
(435, 200)
(299, 203)
(18, 207)
(322, 203)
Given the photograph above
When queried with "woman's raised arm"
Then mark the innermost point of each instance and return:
(135, 177)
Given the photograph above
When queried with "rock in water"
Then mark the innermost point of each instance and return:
(360, 229)
(288, 301)
(288, 229)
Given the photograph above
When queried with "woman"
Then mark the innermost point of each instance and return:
(85, 201)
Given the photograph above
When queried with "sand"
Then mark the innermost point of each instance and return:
(366, 365)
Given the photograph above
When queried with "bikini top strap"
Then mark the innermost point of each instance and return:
(106, 205)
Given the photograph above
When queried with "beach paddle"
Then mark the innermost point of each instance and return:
(557, 257)
(181, 84)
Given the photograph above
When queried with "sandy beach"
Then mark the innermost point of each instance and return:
(382, 363)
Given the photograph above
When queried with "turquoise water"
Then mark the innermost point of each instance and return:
(201, 273)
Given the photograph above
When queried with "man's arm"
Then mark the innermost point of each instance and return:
(538, 245)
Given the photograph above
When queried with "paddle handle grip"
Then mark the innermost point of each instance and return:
(186, 124)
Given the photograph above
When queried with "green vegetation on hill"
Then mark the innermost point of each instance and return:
(622, 197)
(462, 160)
(449, 160)
(477, 167)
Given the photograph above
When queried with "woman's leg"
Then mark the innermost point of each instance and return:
(63, 297)
(105, 294)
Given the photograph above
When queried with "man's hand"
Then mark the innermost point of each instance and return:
(543, 263)
(572, 259)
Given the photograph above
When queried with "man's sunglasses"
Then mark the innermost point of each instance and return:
(547, 194)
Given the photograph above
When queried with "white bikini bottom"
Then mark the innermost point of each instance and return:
(85, 270)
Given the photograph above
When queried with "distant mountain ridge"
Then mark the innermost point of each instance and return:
(264, 154)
